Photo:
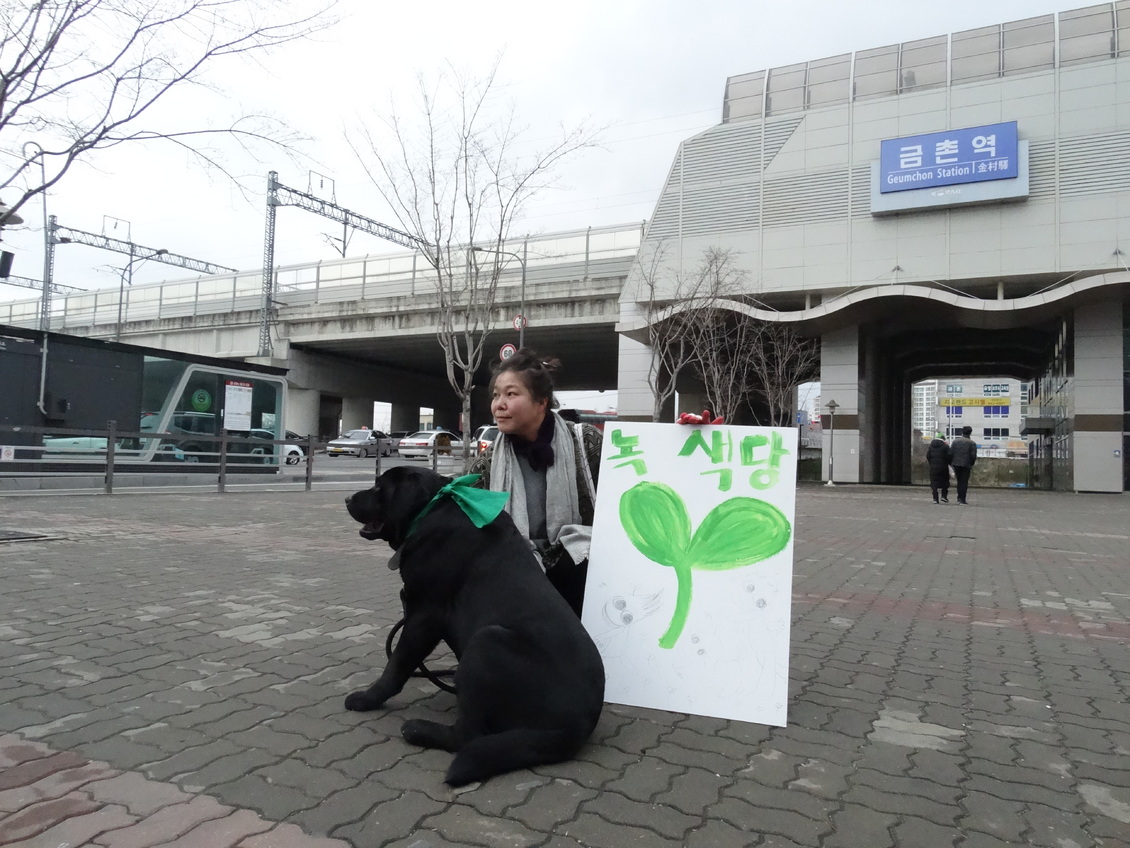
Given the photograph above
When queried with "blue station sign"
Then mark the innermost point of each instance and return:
(971, 155)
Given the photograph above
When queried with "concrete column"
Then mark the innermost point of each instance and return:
(447, 410)
(356, 412)
(302, 410)
(872, 414)
(635, 397)
(480, 408)
(329, 417)
(839, 381)
(405, 416)
(905, 397)
(1097, 439)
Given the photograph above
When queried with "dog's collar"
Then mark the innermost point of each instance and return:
(482, 506)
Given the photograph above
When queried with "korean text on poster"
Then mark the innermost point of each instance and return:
(690, 573)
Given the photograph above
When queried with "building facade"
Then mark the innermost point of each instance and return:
(924, 412)
(954, 205)
(994, 408)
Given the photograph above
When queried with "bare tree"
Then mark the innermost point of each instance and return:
(456, 183)
(673, 302)
(721, 338)
(781, 359)
(78, 76)
(697, 320)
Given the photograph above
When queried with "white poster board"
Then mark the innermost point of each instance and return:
(689, 589)
(237, 405)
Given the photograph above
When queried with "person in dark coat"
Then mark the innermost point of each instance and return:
(938, 456)
(963, 456)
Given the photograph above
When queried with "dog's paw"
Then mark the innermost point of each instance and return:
(362, 701)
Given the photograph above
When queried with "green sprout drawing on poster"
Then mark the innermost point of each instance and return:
(736, 533)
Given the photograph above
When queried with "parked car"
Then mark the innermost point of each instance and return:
(484, 438)
(360, 443)
(396, 436)
(420, 444)
(291, 452)
(74, 444)
(191, 436)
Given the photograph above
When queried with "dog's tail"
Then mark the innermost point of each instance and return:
(497, 753)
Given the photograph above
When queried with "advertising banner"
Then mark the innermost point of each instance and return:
(237, 405)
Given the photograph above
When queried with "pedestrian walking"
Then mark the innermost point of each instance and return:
(963, 456)
(938, 457)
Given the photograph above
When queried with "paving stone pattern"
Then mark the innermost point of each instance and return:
(173, 666)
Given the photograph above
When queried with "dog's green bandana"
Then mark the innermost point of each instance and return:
(482, 506)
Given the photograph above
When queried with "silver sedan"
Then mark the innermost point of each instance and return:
(360, 443)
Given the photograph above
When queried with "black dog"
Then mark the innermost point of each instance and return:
(530, 682)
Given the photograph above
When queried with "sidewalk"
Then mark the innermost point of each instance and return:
(172, 670)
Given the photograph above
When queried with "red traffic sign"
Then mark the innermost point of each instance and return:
(519, 322)
(507, 351)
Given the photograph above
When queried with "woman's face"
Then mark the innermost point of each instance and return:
(516, 412)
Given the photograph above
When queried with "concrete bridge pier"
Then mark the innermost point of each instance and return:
(839, 381)
(303, 411)
(325, 388)
(446, 408)
(405, 416)
(357, 412)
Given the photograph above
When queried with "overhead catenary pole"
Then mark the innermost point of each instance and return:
(281, 195)
(127, 279)
(522, 296)
(58, 234)
(29, 283)
(268, 266)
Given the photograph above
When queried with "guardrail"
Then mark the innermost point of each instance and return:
(68, 452)
(59, 452)
(587, 253)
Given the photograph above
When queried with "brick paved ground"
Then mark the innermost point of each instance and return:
(172, 669)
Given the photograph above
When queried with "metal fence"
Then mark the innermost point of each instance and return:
(31, 455)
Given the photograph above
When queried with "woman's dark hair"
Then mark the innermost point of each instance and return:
(535, 372)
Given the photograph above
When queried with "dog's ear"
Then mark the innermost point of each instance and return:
(402, 493)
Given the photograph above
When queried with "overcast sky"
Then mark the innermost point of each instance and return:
(653, 71)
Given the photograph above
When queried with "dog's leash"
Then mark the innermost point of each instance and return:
(424, 671)
(482, 506)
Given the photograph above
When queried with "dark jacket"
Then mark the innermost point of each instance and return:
(938, 455)
(963, 453)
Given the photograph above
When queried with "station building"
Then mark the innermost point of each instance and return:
(956, 205)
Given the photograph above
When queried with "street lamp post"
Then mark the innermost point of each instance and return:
(832, 407)
(521, 320)
(127, 279)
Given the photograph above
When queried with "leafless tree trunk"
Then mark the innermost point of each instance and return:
(781, 360)
(456, 182)
(674, 303)
(692, 322)
(78, 76)
(720, 337)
